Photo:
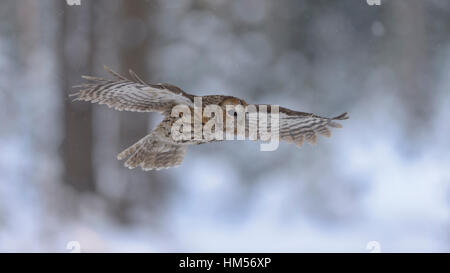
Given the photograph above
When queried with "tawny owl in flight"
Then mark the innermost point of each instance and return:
(159, 149)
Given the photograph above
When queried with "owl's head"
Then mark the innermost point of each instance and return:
(228, 106)
(231, 101)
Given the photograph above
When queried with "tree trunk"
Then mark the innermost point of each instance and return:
(133, 55)
(411, 61)
(76, 51)
(135, 45)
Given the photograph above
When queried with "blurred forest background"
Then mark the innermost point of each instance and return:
(384, 177)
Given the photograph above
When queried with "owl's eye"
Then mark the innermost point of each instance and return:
(232, 113)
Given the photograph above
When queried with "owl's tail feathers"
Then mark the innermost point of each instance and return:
(151, 154)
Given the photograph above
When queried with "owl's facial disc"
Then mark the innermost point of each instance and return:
(233, 101)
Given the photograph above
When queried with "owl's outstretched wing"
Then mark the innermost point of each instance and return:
(298, 127)
(132, 94)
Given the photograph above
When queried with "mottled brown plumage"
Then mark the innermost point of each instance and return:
(159, 150)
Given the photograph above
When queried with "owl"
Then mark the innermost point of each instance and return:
(160, 149)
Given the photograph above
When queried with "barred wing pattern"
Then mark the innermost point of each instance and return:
(132, 94)
(298, 127)
(151, 154)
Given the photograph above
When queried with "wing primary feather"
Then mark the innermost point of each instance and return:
(334, 124)
(299, 140)
(115, 74)
(311, 137)
(324, 131)
(341, 116)
(131, 94)
(91, 78)
(136, 78)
